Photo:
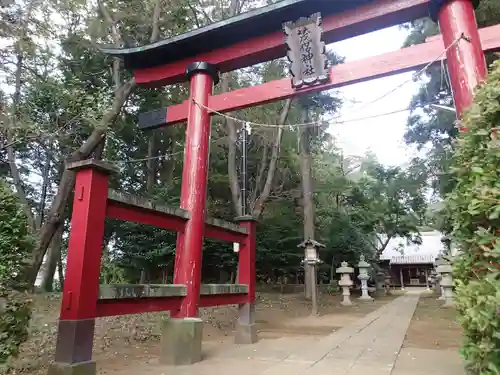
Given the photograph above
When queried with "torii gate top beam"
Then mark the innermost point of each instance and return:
(257, 36)
(403, 60)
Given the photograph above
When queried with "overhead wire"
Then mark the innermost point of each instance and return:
(130, 161)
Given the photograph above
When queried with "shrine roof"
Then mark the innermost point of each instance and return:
(249, 25)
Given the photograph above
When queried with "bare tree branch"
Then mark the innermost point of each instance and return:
(117, 40)
(195, 14)
(155, 33)
(260, 174)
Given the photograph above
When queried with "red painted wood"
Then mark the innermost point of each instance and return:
(222, 299)
(222, 234)
(466, 61)
(111, 307)
(370, 17)
(120, 211)
(403, 60)
(117, 210)
(188, 256)
(81, 285)
(115, 307)
(246, 261)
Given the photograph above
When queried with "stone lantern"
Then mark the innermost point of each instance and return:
(432, 280)
(445, 270)
(311, 259)
(345, 282)
(440, 261)
(363, 276)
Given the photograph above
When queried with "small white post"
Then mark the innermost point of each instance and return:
(401, 278)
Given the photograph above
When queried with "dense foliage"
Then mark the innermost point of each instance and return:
(474, 206)
(15, 247)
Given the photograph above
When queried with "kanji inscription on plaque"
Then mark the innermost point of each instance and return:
(306, 51)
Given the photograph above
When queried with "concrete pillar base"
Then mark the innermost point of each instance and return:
(246, 329)
(181, 341)
(246, 334)
(82, 368)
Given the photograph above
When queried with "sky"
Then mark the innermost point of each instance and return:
(381, 135)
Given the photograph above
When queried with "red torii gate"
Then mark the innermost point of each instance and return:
(199, 56)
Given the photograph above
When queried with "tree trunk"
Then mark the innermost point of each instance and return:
(232, 172)
(164, 275)
(45, 185)
(53, 257)
(258, 205)
(167, 165)
(307, 193)
(151, 165)
(332, 271)
(60, 271)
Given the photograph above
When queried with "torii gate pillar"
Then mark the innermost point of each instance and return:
(188, 255)
(466, 61)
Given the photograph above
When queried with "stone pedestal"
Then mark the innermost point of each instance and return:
(380, 281)
(74, 348)
(345, 282)
(427, 280)
(246, 329)
(432, 280)
(363, 276)
(438, 288)
(445, 271)
(387, 284)
(85, 368)
(435, 285)
(181, 341)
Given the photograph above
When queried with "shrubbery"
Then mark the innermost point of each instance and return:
(15, 246)
(475, 211)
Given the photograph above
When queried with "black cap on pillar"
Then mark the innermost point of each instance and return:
(436, 5)
(203, 67)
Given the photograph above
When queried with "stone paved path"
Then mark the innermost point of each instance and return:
(369, 346)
